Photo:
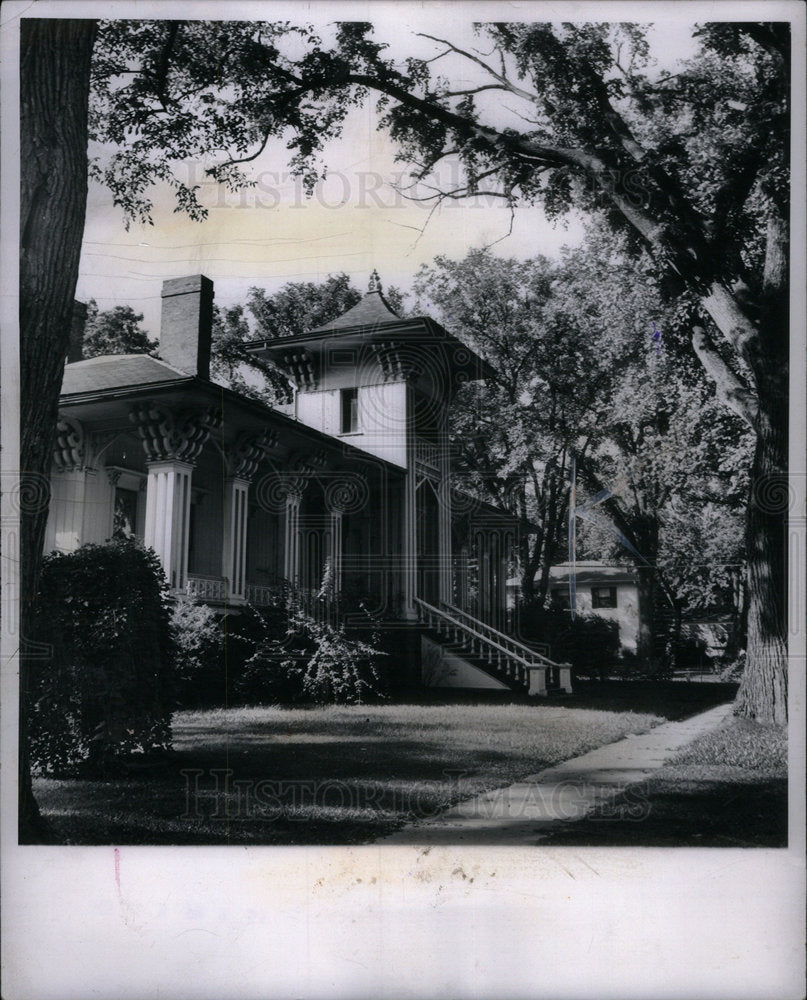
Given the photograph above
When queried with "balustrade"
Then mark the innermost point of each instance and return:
(207, 588)
(427, 454)
(523, 666)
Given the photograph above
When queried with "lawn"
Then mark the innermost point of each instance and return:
(727, 789)
(333, 775)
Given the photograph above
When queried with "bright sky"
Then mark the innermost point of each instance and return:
(354, 222)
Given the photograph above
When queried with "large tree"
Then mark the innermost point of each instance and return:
(693, 165)
(583, 369)
(555, 367)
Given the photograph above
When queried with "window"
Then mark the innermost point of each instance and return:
(560, 597)
(350, 411)
(124, 521)
(603, 597)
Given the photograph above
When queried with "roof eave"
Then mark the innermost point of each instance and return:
(223, 393)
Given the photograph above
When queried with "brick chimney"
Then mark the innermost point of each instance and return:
(75, 350)
(187, 324)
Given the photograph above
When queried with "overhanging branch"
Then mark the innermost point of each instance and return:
(730, 390)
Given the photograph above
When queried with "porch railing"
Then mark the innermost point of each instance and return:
(260, 595)
(263, 595)
(427, 454)
(521, 666)
(507, 641)
(207, 588)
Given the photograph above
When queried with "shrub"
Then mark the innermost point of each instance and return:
(341, 668)
(199, 640)
(266, 676)
(307, 658)
(108, 688)
(589, 642)
(689, 652)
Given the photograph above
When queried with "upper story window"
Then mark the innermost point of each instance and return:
(603, 597)
(349, 406)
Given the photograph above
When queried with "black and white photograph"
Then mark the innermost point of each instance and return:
(403, 451)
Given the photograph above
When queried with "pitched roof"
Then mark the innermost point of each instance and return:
(592, 573)
(112, 371)
(370, 311)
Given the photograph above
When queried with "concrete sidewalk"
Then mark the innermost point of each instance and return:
(524, 813)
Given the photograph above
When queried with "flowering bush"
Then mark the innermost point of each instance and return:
(310, 658)
(199, 640)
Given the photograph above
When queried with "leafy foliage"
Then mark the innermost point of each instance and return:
(340, 668)
(115, 331)
(108, 689)
(300, 306)
(199, 642)
(554, 369)
(168, 91)
(309, 658)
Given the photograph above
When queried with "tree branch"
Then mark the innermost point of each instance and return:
(473, 90)
(503, 80)
(730, 390)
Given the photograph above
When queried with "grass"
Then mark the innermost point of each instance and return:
(674, 700)
(727, 789)
(335, 775)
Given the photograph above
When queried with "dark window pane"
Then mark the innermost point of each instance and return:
(560, 598)
(350, 411)
(603, 597)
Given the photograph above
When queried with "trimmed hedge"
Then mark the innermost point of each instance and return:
(108, 689)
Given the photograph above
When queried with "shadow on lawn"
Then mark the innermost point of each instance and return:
(254, 784)
(694, 813)
(330, 793)
(675, 700)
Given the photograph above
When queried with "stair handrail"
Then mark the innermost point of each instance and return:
(526, 650)
(439, 614)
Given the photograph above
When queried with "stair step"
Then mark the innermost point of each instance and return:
(493, 668)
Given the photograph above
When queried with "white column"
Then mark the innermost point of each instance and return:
(335, 551)
(409, 569)
(168, 508)
(234, 554)
(444, 516)
(291, 539)
(462, 595)
(501, 580)
(65, 529)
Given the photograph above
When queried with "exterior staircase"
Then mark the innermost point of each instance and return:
(507, 661)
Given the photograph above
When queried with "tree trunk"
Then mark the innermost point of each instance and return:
(763, 691)
(646, 629)
(55, 60)
(645, 531)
